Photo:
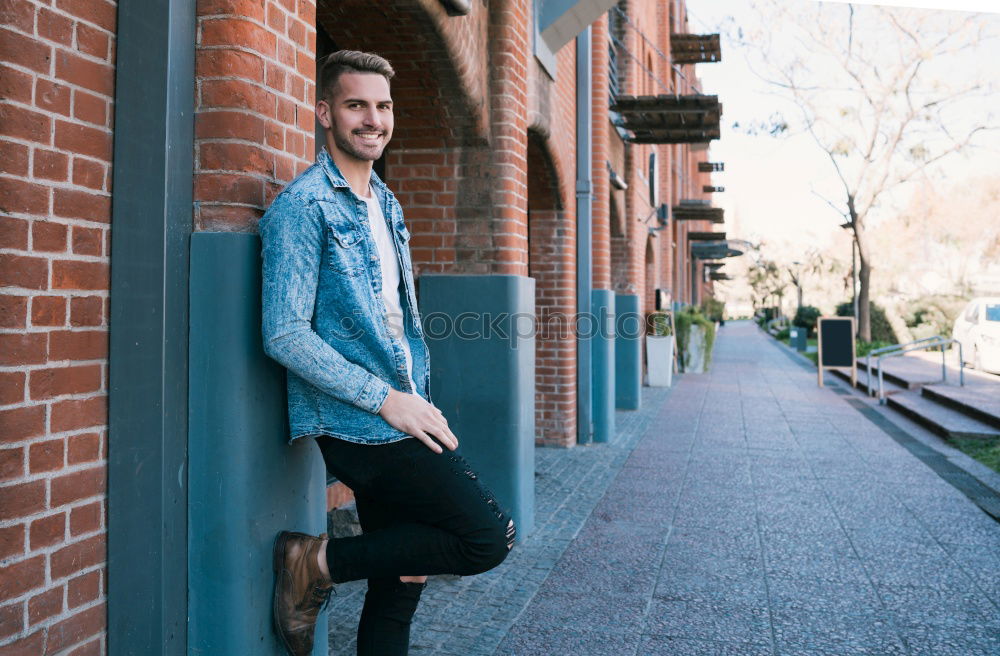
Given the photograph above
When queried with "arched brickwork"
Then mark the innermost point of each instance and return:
(551, 262)
(436, 161)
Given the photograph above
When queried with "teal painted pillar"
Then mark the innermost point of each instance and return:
(629, 327)
(480, 331)
(245, 482)
(603, 349)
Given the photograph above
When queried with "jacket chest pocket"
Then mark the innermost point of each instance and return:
(343, 240)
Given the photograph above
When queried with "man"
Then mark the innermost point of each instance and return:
(339, 311)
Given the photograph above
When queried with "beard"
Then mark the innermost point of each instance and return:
(361, 151)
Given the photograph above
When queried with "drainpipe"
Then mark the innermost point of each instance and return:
(584, 192)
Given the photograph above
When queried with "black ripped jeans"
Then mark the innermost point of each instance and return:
(421, 513)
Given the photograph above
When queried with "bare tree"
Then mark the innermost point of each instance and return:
(877, 89)
(767, 283)
(812, 264)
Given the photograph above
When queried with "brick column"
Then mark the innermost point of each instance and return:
(601, 211)
(57, 72)
(254, 116)
(502, 247)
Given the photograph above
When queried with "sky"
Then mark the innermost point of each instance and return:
(956, 5)
(771, 184)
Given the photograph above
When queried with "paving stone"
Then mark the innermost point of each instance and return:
(817, 596)
(921, 605)
(964, 640)
(660, 645)
(613, 613)
(720, 620)
(540, 639)
(694, 586)
(846, 634)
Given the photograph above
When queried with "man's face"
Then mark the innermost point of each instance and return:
(359, 114)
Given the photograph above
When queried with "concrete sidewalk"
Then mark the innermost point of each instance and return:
(744, 512)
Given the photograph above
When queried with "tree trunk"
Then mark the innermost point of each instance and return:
(864, 308)
(864, 272)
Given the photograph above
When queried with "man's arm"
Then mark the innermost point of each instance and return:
(293, 235)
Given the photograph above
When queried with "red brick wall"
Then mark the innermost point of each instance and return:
(600, 154)
(56, 92)
(255, 84)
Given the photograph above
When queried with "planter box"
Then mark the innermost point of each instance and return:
(660, 360)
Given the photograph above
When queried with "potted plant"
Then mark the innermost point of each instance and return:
(695, 337)
(660, 350)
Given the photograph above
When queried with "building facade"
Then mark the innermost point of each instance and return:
(551, 154)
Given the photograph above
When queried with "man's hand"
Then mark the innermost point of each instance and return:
(413, 415)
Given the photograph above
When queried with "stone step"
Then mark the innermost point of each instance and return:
(888, 387)
(903, 377)
(979, 402)
(938, 418)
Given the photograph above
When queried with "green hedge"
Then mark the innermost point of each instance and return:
(684, 320)
(881, 330)
(805, 317)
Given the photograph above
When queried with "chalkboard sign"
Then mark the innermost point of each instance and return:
(836, 346)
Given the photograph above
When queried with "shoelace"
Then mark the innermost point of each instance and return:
(324, 595)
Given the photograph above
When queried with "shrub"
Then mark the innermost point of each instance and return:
(684, 320)
(805, 317)
(783, 334)
(881, 329)
(864, 348)
(714, 309)
(934, 315)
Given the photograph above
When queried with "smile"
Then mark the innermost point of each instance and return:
(370, 136)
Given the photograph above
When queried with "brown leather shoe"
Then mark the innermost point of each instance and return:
(300, 590)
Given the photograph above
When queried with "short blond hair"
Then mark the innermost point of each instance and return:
(349, 61)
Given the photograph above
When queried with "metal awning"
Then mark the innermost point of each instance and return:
(697, 210)
(717, 250)
(695, 48)
(711, 167)
(719, 275)
(705, 236)
(710, 189)
(669, 119)
(559, 21)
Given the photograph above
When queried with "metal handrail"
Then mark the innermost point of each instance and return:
(939, 341)
(887, 349)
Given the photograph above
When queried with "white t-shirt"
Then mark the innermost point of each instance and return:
(390, 276)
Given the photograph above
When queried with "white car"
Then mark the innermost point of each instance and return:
(978, 330)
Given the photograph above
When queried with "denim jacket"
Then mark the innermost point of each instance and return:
(323, 314)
